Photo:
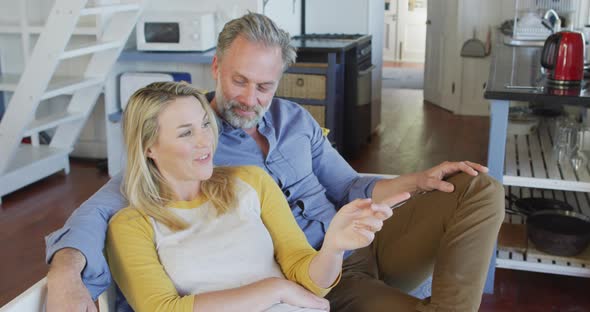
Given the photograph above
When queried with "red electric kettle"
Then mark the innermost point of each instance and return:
(563, 56)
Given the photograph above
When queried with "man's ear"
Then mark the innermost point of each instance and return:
(215, 68)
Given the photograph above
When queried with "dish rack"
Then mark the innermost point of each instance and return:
(528, 16)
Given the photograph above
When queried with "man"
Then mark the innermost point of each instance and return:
(449, 232)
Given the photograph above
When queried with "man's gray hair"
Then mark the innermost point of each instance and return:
(257, 28)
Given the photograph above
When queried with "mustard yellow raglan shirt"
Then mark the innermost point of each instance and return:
(160, 270)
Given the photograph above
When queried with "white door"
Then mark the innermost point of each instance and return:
(435, 47)
(390, 33)
(411, 30)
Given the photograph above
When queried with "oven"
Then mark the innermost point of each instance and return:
(357, 112)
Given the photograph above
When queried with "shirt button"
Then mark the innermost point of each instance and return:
(242, 135)
(287, 193)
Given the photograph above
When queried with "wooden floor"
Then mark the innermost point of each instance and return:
(415, 137)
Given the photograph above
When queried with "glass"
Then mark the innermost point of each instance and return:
(579, 159)
(564, 139)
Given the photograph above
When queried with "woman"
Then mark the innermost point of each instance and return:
(199, 238)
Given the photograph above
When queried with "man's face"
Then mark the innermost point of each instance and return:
(247, 79)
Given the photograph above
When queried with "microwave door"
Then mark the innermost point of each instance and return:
(161, 32)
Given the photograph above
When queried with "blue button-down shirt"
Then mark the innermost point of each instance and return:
(315, 179)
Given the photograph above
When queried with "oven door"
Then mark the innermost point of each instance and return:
(364, 86)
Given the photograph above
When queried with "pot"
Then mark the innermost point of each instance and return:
(553, 226)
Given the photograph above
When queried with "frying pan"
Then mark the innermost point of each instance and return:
(553, 229)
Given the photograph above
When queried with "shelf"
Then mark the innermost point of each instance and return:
(51, 121)
(32, 163)
(536, 261)
(109, 9)
(530, 162)
(75, 50)
(37, 29)
(59, 85)
(8, 82)
(68, 85)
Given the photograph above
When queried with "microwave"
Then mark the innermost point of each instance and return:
(176, 31)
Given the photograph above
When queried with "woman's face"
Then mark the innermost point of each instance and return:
(184, 147)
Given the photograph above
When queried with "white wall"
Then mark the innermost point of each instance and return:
(337, 16)
(286, 13)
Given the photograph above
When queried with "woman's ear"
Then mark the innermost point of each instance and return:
(150, 153)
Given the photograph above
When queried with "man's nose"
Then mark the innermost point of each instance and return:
(249, 96)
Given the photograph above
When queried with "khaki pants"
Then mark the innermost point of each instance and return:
(448, 235)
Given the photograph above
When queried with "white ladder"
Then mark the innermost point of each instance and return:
(23, 164)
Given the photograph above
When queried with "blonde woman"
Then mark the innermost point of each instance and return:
(201, 238)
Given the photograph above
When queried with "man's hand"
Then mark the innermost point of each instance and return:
(65, 290)
(432, 179)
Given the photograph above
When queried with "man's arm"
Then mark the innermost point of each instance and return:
(343, 184)
(79, 244)
(65, 290)
(424, 181)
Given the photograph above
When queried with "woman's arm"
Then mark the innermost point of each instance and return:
(141, 277)
(259, 296)
(300, 263)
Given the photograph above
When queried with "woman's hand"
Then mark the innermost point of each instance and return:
(295, 295)
(355, 224)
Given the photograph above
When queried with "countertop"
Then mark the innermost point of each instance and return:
(521, 66)
(323, 45)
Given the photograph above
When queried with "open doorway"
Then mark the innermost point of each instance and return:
(404, 44)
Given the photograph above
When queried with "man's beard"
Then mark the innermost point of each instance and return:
(226, 109)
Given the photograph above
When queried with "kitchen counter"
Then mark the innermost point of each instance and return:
(521, 67)
(323, 45)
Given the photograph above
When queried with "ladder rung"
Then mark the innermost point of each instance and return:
(68, 85)
(79, 30)
(51, 121)
(10, 29)
(87, 48)
(107, 9)
(8, 82)
(59, 85)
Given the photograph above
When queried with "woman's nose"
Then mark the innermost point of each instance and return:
(203, 139)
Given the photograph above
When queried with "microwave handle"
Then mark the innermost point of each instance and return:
(366, 71)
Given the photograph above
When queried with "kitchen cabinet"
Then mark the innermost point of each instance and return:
(525, 164)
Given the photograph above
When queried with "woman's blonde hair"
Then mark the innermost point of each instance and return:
(144, 186)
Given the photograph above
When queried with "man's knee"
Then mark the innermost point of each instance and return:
(483, 191)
